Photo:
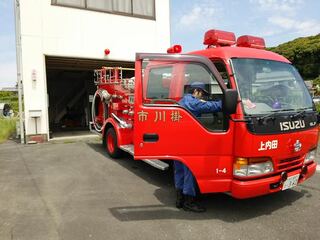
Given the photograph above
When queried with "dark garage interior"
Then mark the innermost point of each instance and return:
(70, 87)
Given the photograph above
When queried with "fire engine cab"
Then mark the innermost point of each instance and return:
(263, 141)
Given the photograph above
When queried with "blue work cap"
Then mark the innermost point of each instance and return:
(199, 85)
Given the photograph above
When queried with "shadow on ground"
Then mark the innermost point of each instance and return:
(219, 206)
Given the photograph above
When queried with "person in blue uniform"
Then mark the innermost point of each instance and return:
(183, 178)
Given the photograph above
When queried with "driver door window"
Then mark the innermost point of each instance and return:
(169, 84)
(197, 73)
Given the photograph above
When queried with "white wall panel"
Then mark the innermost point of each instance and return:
(70, 32)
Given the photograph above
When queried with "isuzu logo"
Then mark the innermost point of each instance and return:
(297, 146)
(291, 125)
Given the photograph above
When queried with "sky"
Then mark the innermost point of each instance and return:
(8, 72)
(277, 21)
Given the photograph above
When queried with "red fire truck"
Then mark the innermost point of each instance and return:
(263, 141)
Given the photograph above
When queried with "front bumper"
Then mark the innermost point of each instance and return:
(253, 188)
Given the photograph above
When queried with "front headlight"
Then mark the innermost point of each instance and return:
(247, 167)
(311, 156)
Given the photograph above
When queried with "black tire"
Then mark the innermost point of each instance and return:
(111, 143)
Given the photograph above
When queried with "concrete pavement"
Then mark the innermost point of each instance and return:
(74, 191)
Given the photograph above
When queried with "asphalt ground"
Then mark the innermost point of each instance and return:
(74, 191)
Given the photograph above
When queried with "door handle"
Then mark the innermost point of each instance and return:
(150, 137)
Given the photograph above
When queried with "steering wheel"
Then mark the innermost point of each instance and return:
(274, 94)
(269, 100)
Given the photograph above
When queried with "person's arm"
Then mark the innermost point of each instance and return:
(207, 106)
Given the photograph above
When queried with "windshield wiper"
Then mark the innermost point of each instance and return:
(273, 113)
(270, 115)
(301, 112)
(263, 119)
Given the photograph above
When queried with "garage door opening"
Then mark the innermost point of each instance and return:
(70, 87)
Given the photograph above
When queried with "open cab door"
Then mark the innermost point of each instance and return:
(165, 130)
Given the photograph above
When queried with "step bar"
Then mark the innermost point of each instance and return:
(127, 148)
(152, 162)
(157, 164)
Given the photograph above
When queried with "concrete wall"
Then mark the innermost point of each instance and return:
(62, 31)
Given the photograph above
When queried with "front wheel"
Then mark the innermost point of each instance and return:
(111, 143)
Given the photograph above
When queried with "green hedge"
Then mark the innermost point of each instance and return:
(10, 98)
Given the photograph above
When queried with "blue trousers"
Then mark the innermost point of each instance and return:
(183, 179)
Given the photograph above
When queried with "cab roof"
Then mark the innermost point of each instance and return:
(227, 53)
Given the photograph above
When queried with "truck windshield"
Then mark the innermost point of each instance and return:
(267, 86)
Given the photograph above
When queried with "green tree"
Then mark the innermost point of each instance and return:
(304, 53)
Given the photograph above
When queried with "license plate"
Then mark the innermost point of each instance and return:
(290, 182)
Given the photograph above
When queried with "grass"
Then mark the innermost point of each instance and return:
(8, 125)
(7, 128)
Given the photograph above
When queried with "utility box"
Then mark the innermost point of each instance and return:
(35, 113)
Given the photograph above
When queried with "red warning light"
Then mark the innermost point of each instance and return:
(219, 38)
(175, 49)
(107, 51)
(251, 42)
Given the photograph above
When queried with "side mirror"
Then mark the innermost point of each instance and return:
(229, 101)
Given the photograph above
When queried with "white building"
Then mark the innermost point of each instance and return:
(62, 41)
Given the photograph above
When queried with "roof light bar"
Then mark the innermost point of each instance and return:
(175, 49)
(251, 42)
(219, 38)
